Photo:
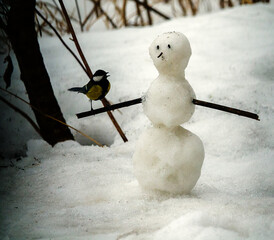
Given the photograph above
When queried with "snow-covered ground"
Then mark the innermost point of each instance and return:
(80, 191)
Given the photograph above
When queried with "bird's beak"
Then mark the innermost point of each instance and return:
(107, 74)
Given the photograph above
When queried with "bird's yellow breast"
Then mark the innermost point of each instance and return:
(94, 92)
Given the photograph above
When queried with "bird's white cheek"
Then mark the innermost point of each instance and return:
(97, 78)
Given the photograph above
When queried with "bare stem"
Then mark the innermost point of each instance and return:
(88, 70)
(107, 104)
(23, 114)
(124, 12)
(60, 38)
(226, 109)
(79, 15)
(48, 116)
(88, 16)
(148, 12)
(98, 7)
(109, 108)
(195, 101)
(146, 6)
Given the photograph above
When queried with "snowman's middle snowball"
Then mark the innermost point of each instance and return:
(169, 101)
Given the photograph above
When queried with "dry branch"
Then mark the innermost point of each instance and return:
(123, 136)
(139, 14)
(195, 101)
(23, 114)
(109, 108)
(79, 15)
(60, 38)
(45, 115)
(124, 17)
(88, 70)
(226, 109)
(88, 16)
(148, 7)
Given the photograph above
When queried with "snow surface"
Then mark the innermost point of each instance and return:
(76, 191)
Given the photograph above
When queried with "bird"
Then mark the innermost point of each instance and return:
(97, 88)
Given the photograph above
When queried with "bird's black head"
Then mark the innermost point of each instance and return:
(99, 75)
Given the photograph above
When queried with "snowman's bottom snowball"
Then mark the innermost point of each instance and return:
(168, 160)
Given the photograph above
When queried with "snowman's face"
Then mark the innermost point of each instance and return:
(170, 52)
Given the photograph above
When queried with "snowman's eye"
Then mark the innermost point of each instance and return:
(158, 47)
(168, 46)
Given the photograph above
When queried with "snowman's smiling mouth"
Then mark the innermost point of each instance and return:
(160, 54)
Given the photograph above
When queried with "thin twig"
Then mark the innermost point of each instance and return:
(181, 3)
(139, 14)
(193, 8)
(27, 117)
(98, 5)
(79, 15)
(109, 108)
(59, 36)
(108, 18)
(88, 70)
(195, 101)
(148, 12)
(107, 104)
(47, 32)
(39, 26)
(89, 73)
(53, 118)
(152, 9)
(124, 17)
(88, 16)
(226, 109)
(48, 4)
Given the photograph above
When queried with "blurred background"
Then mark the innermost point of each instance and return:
(109, 14)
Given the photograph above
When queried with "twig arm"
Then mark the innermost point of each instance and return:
(226, 109)
(109, 108)
(195, 101)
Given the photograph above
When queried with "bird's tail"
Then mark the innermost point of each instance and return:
(77, 89)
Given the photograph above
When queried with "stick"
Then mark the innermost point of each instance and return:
(79, 15)
(109, 108)
(106, 15)
(60, 38)
(226, 109)
(148, 7)
(88, 70)
(46, 115)
(195, 101)
(107, 104)
(26, 116)
(75, 39)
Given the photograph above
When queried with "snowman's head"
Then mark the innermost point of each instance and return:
(170, 53)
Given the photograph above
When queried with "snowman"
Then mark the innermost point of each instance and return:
(168, 157)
